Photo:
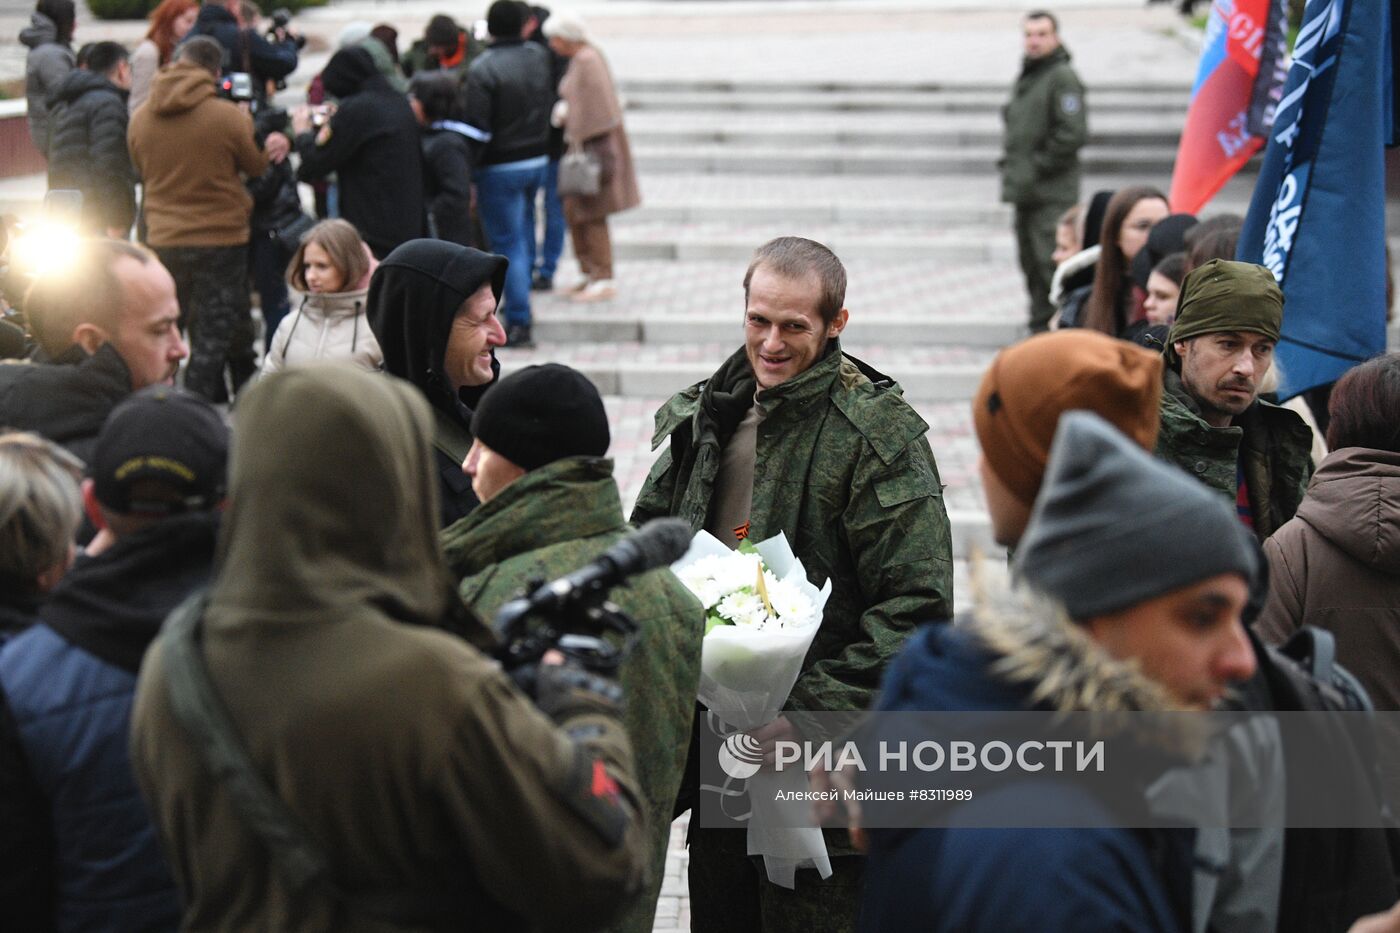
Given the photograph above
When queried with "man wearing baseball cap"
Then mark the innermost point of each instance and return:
(549, 505)
(1214, 426)
(158, 478)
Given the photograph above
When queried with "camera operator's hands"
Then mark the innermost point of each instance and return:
(277, 145)
(563, 690)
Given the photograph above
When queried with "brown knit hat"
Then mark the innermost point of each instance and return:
(1031, 383)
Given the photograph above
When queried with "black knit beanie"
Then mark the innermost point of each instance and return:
(505, 19)
(541, 414)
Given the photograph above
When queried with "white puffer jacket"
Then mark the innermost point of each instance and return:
(325, 327)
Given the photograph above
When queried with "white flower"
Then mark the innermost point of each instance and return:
(790, 604)
(743, 608)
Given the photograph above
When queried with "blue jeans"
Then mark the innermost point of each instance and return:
(554, 226)
(504, 194)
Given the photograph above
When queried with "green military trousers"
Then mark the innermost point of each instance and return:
(1035, 242)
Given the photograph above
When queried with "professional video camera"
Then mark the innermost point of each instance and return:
(573, 614)
(238, 86)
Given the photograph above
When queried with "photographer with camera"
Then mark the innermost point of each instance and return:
(192, 151)
(403, 780)
(548, 503)
(371, 143)
(270, 57)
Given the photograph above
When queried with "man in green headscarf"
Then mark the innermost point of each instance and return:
(1214, 426)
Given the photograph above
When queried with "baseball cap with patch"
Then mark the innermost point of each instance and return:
(163, 450)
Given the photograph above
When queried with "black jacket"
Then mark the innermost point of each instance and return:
(87, 149)
(509, 94)
(447, 164)
(244, 49)
(413, 297)
(276, 203)
(65, 400)
(373, 148)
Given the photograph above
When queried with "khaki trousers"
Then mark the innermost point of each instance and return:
(593, 248)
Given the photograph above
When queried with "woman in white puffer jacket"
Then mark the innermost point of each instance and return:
(331, 268)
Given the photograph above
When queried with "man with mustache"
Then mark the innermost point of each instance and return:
(1214, 426)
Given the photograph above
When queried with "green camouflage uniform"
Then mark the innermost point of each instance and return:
(420, 58)
(843, 468)
(1275, 443)
(1045, 129)
(555, 520)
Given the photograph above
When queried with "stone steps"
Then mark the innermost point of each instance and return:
(871, 159)
(593, 326)
(735, 241)
(1171, 106)
(906, 129)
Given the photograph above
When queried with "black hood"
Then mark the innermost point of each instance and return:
(349, 71)
(112, 605)
(413, 297)
(81, 82)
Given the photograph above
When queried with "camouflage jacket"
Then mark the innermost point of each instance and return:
(555, 520)
(1275, 443)
(844, 470)
(1045, 128)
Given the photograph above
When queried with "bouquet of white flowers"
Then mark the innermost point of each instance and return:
(761, 614)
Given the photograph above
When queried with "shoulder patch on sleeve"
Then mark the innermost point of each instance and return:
(591, 792)
(1070, 103)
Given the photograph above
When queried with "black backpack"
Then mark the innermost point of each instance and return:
(1331, 877)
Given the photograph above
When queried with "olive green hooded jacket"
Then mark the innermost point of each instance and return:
(409, 757)
(553, 521)
(1275, 443)
(842, 468)
(1045, 129)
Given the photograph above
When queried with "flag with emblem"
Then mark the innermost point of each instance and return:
(1317, 219)
(1232, 102)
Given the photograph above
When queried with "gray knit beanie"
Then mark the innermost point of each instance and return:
(1113, 527)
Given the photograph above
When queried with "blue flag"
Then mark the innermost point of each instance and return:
(1317, 219)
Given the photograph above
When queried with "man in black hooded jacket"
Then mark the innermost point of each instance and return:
(371, 143)
(432, 307)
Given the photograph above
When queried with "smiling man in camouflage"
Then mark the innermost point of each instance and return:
(791, 435)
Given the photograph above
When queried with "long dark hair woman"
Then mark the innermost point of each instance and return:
(1129, 219)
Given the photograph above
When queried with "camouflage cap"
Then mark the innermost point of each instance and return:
(1223, 295)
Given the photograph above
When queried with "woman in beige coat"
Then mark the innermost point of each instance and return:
(591, 116)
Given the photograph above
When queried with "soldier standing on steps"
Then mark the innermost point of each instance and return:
(1045, 129)
(792, 435)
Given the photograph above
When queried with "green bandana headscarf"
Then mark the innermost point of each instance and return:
(1223, 295)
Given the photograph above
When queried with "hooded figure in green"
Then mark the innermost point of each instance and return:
(415, 298)
(407, 756)
(558, 510)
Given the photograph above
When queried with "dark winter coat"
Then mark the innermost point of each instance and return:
(47, 64)
(413, 297)
(69, 684)
(447, 173)
(65, 400)
(246, 49)
(843, 469)
(508, 98)
(551, 522)
(87, 149)
(1045, 129)
(978, 880)
(1276, 446)
(372, 146)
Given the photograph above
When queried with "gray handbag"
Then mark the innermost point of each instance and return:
(580, 173)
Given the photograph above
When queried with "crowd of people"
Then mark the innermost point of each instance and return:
(461, 138)
(249, 677)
